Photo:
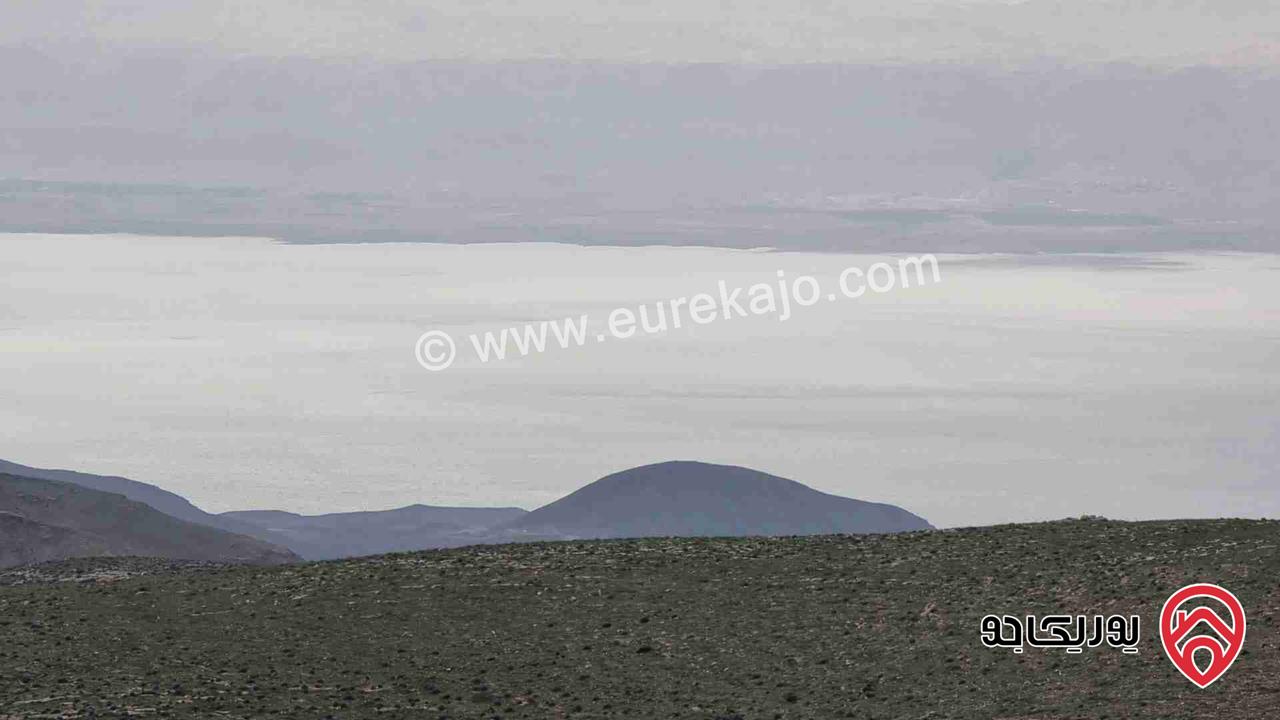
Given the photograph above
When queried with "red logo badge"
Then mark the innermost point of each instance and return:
(1222, 644)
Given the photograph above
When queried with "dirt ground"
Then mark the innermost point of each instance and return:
(819, 627)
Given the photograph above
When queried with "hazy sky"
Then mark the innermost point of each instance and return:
(1153, 31)
(243, 373)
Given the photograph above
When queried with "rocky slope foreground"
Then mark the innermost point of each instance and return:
(820, 627)
(44, 520)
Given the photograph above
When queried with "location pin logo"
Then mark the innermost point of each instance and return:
(1219, 639)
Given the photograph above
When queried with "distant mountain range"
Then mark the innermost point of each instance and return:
(108, 515)
(170, 504)
(44, 520)
(339, 535)
(695, 499)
